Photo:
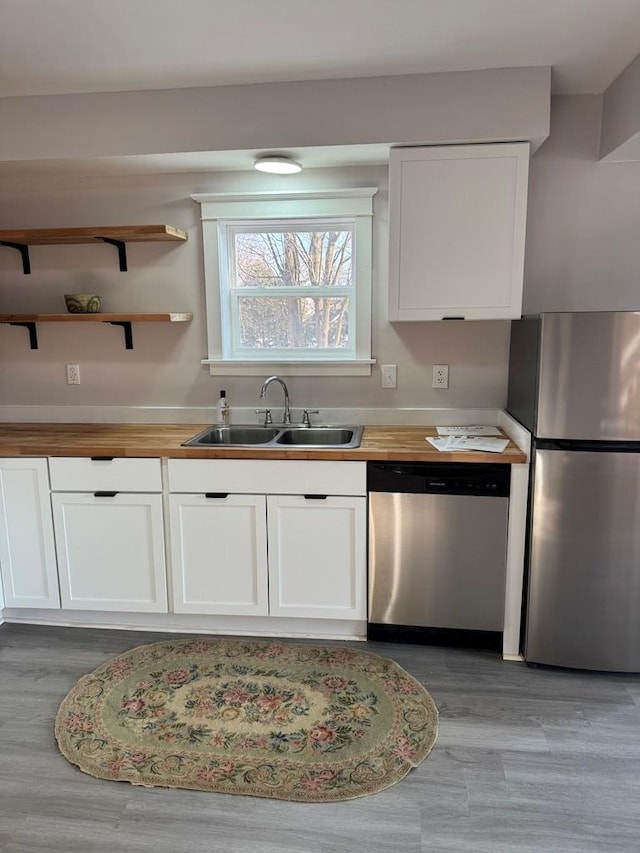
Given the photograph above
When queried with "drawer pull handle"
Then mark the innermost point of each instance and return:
(216, 494)
(315, 497)
(104, 494)
(102, 458)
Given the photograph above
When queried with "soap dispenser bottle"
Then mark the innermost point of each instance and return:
(223, 409)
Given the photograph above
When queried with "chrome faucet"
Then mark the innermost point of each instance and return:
(287, 408)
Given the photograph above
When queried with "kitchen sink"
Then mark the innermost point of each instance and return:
(276, 437)
(236, 435)
(320, 437)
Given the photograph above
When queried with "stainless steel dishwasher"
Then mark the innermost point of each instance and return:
(437, 550)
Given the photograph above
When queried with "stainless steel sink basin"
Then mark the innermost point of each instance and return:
(250, 435)
(321, 437)
(233, 435)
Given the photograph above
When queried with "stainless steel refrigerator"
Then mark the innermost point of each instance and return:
(574, 382)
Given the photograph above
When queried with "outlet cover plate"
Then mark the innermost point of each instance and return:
(389, 375)
(440, 376)
(73, 374)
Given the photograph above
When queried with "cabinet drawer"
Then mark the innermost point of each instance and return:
(86, 474)
(264, 476)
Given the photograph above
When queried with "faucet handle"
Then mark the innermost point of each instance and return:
(305, 416)
(267, 416)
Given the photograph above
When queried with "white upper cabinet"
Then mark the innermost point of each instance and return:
(457, 231)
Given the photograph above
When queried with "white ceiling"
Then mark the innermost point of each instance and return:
(64, 46)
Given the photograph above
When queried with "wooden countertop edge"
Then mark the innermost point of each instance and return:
(378, 444)
(513, 457)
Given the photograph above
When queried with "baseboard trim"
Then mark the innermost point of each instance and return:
(174, 623)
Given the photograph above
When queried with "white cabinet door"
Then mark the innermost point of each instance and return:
(219, 554)
(457, 228)
(27, 551)
(317, 556)
(110, 552)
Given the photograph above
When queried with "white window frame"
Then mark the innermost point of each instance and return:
(221, 211)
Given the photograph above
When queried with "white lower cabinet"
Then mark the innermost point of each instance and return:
(317, 557)
(110, 541)
(246, 537)
(296, 555)
(27, 550)
(219, 554)
(110, 552)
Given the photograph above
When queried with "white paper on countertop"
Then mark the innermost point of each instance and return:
(470, 429)
(452, 442)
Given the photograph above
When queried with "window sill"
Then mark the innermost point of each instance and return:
(356, 367)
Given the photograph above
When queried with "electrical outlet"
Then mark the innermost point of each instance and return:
(73, 374)
(389, 375)
(440, 376)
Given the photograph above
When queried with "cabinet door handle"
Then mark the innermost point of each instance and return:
(216, 494)
(102, 458)
(315, 497)
(104, 494)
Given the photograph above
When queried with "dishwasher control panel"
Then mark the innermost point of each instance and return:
(447, 478)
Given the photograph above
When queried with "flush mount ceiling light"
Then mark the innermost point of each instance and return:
(277, 164)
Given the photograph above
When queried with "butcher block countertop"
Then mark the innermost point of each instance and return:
(397, 443)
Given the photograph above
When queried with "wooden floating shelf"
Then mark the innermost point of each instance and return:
(99, 317)
(125, 320)
(116, 235)
(69, 236)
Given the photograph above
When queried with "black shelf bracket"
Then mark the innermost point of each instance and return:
(31, 326)
(128, 334)
(24, 251)
(122, 252)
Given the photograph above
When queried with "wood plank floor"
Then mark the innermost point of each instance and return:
(527, 761)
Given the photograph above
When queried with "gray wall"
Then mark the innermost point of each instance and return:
(472, 106)
(583, 233)
(620, 135)
(583, 253)
(164, 367)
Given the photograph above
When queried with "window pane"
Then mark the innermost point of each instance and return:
(303, 322)
(294, 258)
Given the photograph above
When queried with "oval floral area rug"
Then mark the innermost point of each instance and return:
(312, 723)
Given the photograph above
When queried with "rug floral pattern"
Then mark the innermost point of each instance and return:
(283, 720)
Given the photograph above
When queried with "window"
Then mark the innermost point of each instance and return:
(288, 282)
(287, 289)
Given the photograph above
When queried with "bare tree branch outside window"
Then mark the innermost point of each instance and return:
(312, 272)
